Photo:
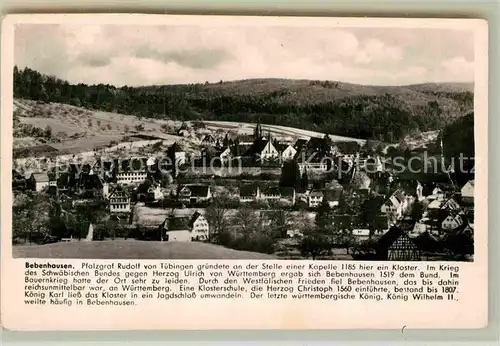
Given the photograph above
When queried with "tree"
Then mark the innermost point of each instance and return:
(460, 244)
(341, 234)
(326, 145)
(166, 179)
(369, 212)
(247, 222)
(257, 132)
(304, 181)
(226, 140)
(279, 223)
(217, 217)
(37, 216)
(19, 222)
(314, 244)
(47, 133)
(417, 210)
(109, 227)
(324, 217)
(290, 175)
(82, 223)
(139, 127)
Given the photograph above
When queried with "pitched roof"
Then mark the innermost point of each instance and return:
(208, 138)
(257, 147)
(316, 193)
(90, 181)
(118, 190)
(193, 219)
(239, 149)
(281, 147)
(390, 237)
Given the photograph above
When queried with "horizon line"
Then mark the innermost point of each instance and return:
(248, 79)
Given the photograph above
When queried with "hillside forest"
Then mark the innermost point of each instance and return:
(381, 113)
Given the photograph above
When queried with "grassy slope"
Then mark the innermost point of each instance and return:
(133, 249)
(95, 126)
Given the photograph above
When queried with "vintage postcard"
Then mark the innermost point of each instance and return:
(293, 169)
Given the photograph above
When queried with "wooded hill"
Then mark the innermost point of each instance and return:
(386, 113)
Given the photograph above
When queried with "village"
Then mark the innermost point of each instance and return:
(291, 196)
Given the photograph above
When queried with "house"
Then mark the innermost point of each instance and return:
(286, 151)
(38, 181)
(270, 193)
(249, 193)
(194, 193)
(262, 150)
(313, 162)
(396, 245)
(208, 140)
(132, 171)
(198, 226)
(438, 192)
(176, 228)
(91, 184)
(395, 205)
(450, 204)
(444, 204)
(468, 192)
(154, 192)
(314, 198)
(119, 201)
(451, 222)
(224, 153)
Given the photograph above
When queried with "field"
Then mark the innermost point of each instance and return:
(276, 130)
(80, 128)
(133, 249)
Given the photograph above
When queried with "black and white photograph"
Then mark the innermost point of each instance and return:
(269, 142)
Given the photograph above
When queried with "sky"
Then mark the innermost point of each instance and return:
(150, 55)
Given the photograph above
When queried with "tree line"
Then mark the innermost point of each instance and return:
(384, 117)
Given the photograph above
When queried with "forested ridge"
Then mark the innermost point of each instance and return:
(369, 112)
